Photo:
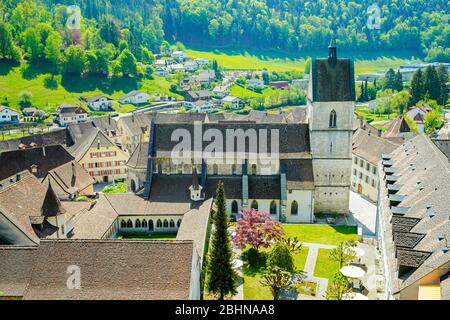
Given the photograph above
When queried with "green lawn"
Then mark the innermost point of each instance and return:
(253, 290)
(369, 116)
(158, 236)
(257, 60)
(324, 234)
(325, 267)
(15, 79)
(118, 188)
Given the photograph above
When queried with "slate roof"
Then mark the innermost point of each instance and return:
(132, 93)
(264, 187)
(231, 184)
(44, 158)
(96, 98)
(16, 264)
(22, 200)
(299, 174)
(136, 124)
(65, 109)
(444, 146)
(110, 269)
(139, 157)
(88, 139)
(424, 180)
(332, 81)
(50, 138)
(293, 139)
(71, 177)
(370, 147)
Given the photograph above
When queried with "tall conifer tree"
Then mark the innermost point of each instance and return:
(221, 278)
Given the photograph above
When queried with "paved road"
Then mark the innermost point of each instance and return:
(364, 213)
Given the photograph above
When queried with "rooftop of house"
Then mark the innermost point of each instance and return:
(96, 98)
(420, 214)
(25, 202)
(66, 109)
(370, 147)
(39, 160)
(131, 94)
(90, 138)
(2, 108)
(71, 177)
(111, 269)
(50, 138)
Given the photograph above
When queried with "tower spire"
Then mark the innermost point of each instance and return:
(332, 55)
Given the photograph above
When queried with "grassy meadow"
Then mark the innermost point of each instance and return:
(14, 79)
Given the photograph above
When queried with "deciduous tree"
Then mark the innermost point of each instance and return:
(256, 228)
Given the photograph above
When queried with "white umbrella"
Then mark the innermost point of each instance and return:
(358, 251)
(353, 272)
(354, 296)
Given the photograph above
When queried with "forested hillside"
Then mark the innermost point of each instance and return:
(421, 26)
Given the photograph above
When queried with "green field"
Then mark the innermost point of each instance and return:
(325, 267)
(256, 60)
(15, 79)
(324, 234)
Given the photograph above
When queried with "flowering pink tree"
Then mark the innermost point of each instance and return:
(256, 228)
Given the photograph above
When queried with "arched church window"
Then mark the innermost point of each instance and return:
(137, 223)
(150, 225)
(294, 208)
(273, 207)
(234, 207)
(144, 223)
(333, 119)
(129, 224)
(179, 223)
(165, 223)
(172, 223)
(215, 169)
(123, 224)
(254, 205)
(159, 224)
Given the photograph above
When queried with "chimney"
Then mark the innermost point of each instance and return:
(379, 133)
(17, 177)
(368, 132)
(109, 119)
(43, 150)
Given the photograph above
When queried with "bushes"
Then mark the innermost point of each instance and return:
(280, 256)
(254, 258)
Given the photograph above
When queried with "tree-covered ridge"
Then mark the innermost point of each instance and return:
(290, 26)
(294, 25)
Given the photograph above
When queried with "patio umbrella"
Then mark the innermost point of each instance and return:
(358, 251)
(354, 296)
(353, 272)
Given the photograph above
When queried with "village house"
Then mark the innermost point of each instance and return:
(417, 114)
(67, 114)
(100, 156)
(99, 103)
(176, 67)
(232, 102)
(221, 91)
(201, 61)
(162, 71)
(135, 97)
(133, 129)
(279, 84)
(69, 181)
(367, 149)
(31, 211)
(206, 76)
(54, 137)
(190, 66)
(413, 221)
(202, 106)
(179, 55)
(38, 160)
(160, 63)
(192, 96)
(255, 83)
(8, 115)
